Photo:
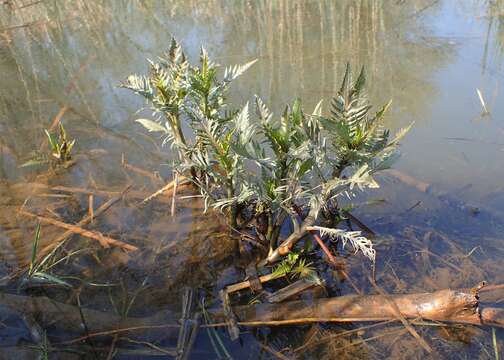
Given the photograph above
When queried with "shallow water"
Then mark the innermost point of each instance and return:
(428, 56)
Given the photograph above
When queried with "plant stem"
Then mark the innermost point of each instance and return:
(287, 245)
(233, 213)
(275, 233)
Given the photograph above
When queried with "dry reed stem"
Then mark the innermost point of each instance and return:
(56, 121)
(105, 206)
(439, 257)
(482, 101)
(91, 207)
(174, 195)
(183, 181)
(37, 187)
(118, 331)
(105, 241)
(246, 284)
(139, 171)
(273, 352)
(341, 334)
(364, 227)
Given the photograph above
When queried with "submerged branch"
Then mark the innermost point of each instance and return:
(456, 306)
(453, 306)
(105, 241)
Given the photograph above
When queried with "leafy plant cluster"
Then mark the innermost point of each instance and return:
(295, 266)
(265, 170)
(61, 146)
(40, 271)
(60, 149)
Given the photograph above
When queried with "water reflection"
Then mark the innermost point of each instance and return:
(495, 31)
(71, 55)
(75, 53)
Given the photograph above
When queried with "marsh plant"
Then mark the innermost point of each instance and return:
(60, 148)
(263, 170)
(39, 271)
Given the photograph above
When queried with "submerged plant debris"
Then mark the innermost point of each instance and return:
(106, 252)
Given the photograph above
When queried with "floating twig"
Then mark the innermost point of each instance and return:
(333, 261)
(409, 180)
(86, 220)
(174, 194)
(324, 248)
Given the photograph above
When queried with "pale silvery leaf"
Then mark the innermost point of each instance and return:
(302, 151)
(385, 162)
(262, 110)
(400, 134)
(152, 126)
(316, 204)
(332, 185)
(362, 179)
(140, 85)
(318, 109)
(233, 72)
(244, 127)
(355, 238)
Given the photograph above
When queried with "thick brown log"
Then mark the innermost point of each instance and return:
(455, 306)
(460, 306)
(492, 316)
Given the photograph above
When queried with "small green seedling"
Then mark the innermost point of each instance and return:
(38, 271)
(61, 147)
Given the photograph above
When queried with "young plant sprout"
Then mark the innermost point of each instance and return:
(60, 150)
(260, 169)
(61, 147)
